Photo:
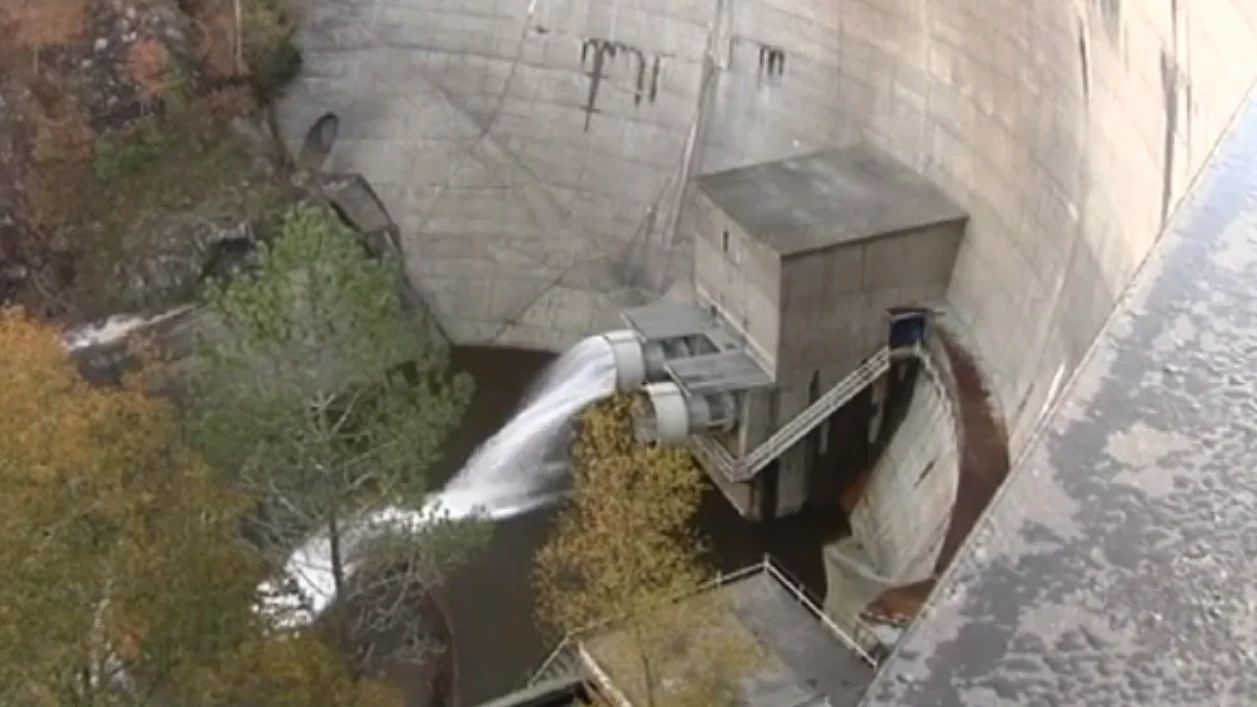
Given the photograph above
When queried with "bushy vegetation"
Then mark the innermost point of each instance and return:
(129, 142)
(126, 581)
(138, 539)
(623, 570)
(317, 393)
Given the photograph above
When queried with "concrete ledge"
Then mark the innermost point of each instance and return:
(562, 692)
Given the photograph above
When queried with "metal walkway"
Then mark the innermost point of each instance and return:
(712, 455)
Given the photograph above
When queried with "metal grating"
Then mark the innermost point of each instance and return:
(716, 373)
(669, 320)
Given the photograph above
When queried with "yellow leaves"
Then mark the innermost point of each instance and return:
(624, 544)
(52, 420)
(113, 537)
(623, 567)
(102, 523)
(298, 670)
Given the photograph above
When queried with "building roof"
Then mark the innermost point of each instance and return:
(815, 201)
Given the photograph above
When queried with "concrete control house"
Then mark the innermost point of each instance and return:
(798, 265)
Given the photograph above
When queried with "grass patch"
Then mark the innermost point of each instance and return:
(117, 157)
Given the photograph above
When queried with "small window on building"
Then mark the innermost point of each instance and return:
(724, 241)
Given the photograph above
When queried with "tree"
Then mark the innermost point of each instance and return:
(318, 392)
(623, 570)
(126, 580)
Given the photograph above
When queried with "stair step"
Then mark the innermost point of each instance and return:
(561, 664)
(712, 455)
(803, 423)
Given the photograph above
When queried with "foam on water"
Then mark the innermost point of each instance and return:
(511, 473)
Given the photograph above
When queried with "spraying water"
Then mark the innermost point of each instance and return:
(114, 329)
(511, 473)
(512, 465)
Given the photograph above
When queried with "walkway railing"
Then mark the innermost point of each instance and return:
(713, 456)
(796, 588)
(603, 680)
(565, 647)
(800, 425)
(571, 644)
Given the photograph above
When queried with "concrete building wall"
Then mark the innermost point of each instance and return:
(1067, 130)
(532, 154)
(740, 277)
(834, 301)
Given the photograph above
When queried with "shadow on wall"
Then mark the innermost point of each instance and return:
(982, 465)
(984, 461)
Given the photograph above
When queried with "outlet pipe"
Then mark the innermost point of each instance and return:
(638, 362)
(676, 416)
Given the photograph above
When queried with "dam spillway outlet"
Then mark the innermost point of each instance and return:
(670, 416)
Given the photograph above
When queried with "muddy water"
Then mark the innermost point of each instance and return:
(491, 600)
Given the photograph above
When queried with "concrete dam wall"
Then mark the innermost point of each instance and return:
(534, 153)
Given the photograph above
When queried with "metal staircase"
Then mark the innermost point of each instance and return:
(562, 663)
(746, 468)
(711, 455)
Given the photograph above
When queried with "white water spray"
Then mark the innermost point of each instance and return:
(512, 465)
(511, 473)
(114, 329)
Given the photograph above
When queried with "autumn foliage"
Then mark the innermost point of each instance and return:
(624, 545)
(124, 574)
(147, 63)
(623, 574)
(35, 24)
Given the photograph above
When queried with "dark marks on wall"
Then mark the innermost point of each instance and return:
(599, 56)
(1169, 87)
(1084, 60)
(772, 62)
(770, 59)
(1111, 14)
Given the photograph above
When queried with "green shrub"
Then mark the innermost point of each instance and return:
(116, 157)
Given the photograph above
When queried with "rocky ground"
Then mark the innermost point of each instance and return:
(134, 146)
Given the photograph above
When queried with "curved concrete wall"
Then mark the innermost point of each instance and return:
(1068, 130)
(903, 514)
(532, 151)
(900, 521)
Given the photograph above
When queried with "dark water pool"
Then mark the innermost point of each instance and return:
(491, 600)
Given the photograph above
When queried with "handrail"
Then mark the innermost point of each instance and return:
(573, 638)
(766, 565)
(554, 655)
(710, 451)
(814, 414)
(601, 677)
(795, 589)
(861, 631)
(742, 469)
